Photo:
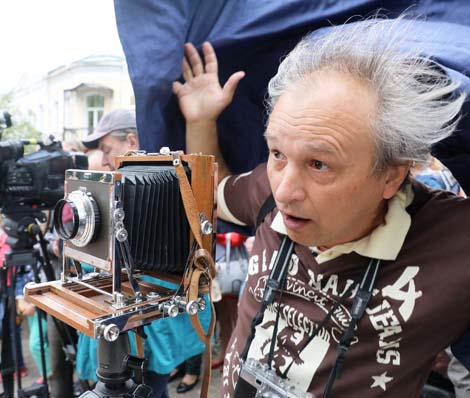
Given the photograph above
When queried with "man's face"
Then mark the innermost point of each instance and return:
(321, 155)
(113, 147)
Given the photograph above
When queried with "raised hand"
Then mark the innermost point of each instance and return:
(201, 97)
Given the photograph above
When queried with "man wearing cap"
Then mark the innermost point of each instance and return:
(115, 134)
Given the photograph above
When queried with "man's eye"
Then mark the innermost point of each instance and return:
(276, 154)
(319, 165)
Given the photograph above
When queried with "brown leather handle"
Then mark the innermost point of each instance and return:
(202, 265)
(189, 203)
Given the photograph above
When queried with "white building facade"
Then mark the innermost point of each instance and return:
(69, 101)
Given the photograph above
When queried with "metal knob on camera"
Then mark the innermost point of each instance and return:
(191, 307)
(201, 301)
(109, 332)
(206, 225)
(169, 309)
(120, 231)
(118, 215)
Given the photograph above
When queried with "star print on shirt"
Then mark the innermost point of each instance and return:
(381, 381)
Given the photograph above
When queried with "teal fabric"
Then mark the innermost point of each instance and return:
(35, 342)
(169, 342)
(173, 340)
(87, 361)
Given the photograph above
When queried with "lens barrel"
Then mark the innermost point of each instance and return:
(77, 218)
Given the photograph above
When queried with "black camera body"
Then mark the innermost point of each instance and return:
(36, 180)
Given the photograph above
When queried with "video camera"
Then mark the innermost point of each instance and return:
(31, 183)
(34, 181)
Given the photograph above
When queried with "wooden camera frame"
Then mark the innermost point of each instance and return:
(103, 304)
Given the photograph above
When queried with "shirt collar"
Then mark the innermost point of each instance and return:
(383, 243)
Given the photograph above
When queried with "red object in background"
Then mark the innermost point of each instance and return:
(236, 239)
(4, 248)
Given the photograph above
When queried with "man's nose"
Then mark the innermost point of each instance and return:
(290, 187)
(106, 162)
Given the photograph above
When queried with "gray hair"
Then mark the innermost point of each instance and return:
(418, 104)
(121, 135)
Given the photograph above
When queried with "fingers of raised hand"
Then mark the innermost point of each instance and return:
(232, 83)
(210, 58)
(194, 59)
(177, 86)
(187, 72)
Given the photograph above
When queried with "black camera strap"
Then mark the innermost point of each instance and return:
(359, 305)
(274, 283)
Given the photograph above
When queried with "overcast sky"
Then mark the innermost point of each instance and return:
(39, 35)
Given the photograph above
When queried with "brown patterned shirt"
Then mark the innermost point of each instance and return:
(419, 307)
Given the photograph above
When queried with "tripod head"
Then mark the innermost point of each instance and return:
(22, 228)
(115, 370)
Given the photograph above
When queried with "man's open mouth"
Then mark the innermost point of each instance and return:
(294, 222)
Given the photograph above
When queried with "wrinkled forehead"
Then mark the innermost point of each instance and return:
(330, 97)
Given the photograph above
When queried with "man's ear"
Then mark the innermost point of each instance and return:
(133, 141)
(394, 177)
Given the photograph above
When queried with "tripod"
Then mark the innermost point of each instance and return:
(10, 353)
(23, 233)
(115, 370)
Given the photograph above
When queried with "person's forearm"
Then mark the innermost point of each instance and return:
(201, 137)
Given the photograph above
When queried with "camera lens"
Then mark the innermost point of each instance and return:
(66, 219)
(77, 218)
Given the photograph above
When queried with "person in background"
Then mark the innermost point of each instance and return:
(115, 134)
(435, 175)
(95, 160)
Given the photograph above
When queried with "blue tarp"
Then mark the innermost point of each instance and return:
(252, 35)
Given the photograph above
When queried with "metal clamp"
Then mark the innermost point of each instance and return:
(206, 225)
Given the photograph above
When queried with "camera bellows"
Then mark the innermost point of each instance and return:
(155, 218)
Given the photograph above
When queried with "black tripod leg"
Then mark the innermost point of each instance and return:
(7, 354)
(14, 338)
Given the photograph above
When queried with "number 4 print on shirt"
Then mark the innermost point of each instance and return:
(398, 292)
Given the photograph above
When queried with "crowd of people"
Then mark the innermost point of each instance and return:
(376, 286)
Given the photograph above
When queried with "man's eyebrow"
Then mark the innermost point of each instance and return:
(319, 147)
(309, 146)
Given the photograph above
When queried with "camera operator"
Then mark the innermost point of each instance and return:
(349, 113)
(169, 341)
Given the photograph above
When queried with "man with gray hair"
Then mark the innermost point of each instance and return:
(364, 307)
(115, 134)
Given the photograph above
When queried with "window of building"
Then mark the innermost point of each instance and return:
(94, 109)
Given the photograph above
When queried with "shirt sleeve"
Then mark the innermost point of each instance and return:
(240, 197)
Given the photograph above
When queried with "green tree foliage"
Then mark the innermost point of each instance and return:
(22, 127)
